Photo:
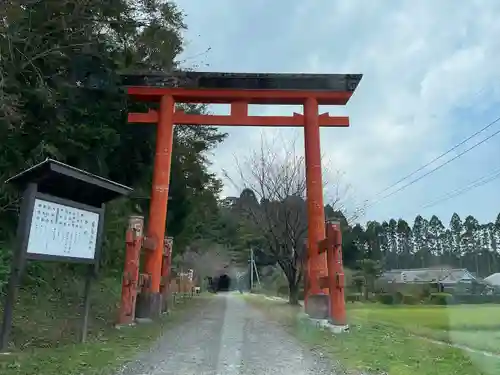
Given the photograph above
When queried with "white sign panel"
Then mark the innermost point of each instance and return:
(61, 230)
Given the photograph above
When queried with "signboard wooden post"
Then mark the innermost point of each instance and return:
(61, 219)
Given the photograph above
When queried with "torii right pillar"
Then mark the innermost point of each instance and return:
(317, 266)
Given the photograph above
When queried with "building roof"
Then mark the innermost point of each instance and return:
(493, 279)
(65, 181)
(444, 275)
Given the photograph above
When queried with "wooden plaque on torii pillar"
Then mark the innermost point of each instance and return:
(239, 90)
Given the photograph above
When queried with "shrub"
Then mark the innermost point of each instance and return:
(441, 299)
(410, 299)
(386, 298)
(397, 298)
(405, 298)
(428, 289)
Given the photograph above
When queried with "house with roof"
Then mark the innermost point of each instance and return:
(429, 275)
(493, 280)
(446, 279)
(449, 278)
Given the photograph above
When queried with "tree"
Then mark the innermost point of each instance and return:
(277, 180)
(404, 243)
(456, 228)
(369, 270)
(273, 205)
(61, 97)
(204, 257)
(471, 241)
(392, 240)
(435, 232)
(374, 235)
(421, 244)
(354, 245)
(429, 243)
(339, 195)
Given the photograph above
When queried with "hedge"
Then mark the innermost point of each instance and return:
(386, 298)
(441, 299)
(433, 299)
(409, 299)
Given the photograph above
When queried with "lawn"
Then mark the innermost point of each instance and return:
(375, 347)
(475, 326)
(46, 330)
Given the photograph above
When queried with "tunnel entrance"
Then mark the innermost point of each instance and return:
(223, 283)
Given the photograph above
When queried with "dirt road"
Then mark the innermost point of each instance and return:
(227, 337)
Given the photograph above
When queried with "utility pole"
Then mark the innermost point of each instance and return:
(256, 272)
(251, 269)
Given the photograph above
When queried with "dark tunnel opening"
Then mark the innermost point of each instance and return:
(223, 283)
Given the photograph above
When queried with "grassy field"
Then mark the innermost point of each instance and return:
(474, 326)
(47, 327)
(380, 341)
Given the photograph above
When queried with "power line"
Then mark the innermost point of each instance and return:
(474, 184)
(457, 192)
(439, 157)
(437, 168)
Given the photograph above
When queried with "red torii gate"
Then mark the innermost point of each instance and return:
(239, 90)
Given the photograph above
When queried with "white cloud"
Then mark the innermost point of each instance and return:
(422, 61)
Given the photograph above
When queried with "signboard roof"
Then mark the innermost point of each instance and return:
(58, 179)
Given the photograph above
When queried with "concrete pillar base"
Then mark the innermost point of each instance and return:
(325, 324)
(338, 328)
(318, 306)
(120, 326)
(148, 305)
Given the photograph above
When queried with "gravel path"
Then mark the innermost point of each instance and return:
(227, 337)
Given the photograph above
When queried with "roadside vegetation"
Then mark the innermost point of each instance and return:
(61, 97)
(47, 330)
(374, 347)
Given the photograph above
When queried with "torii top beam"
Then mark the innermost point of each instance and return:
(239, 90)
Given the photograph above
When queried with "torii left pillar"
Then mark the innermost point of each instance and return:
(150, 302)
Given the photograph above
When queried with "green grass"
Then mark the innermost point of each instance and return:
(475, 326)
(465, 317)
(378, 348)
(47, 327)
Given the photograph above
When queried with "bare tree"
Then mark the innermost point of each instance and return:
(206, 259)
(340, 196)
(273, 205)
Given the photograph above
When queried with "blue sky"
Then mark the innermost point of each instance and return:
(431, 72)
